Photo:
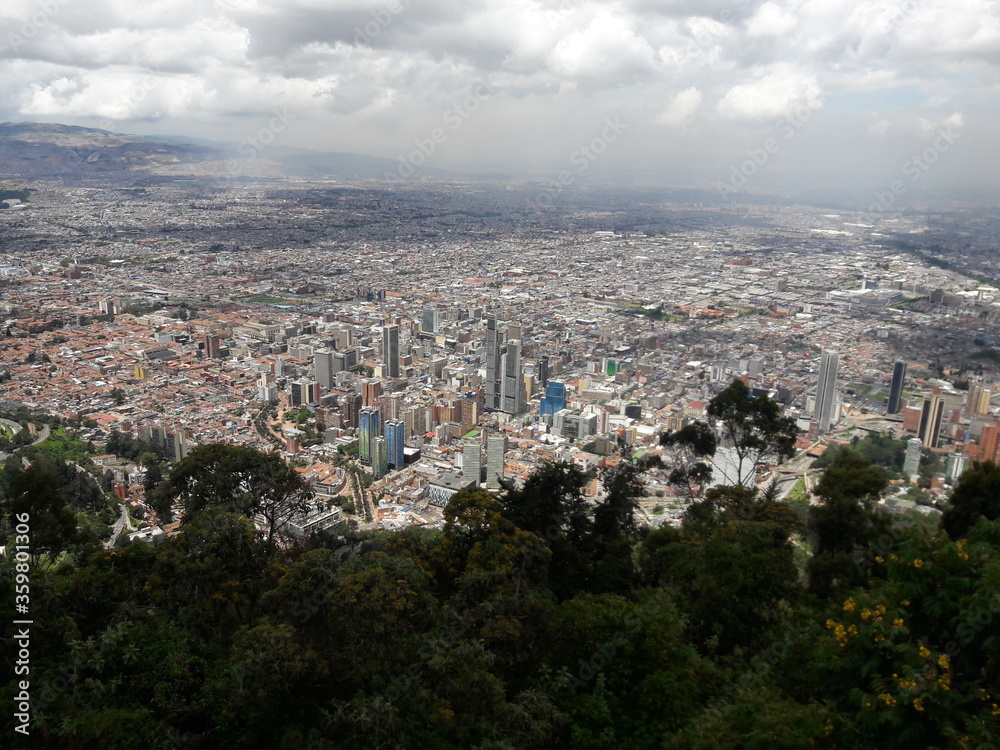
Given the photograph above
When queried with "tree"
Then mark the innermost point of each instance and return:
(752, 426)
(846, 522)
(237, 479)
(690, 450)
(34, 493)
(976, 495)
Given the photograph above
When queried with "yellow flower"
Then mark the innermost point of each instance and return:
(918, 563)
(924, 652)
(865, 614)
(918, 704)
(880, 610)
(879, 638)
(996, 710)
(898, 623)
(943, 661)
(879, 560)
(963, 556)
(905, 603)
(849, 605)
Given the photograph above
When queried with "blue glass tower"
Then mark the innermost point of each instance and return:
(368, 427)
(395, 435)
(555, 398)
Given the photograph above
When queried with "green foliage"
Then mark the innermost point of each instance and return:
(977, 495)
(753, 427)
(237, 479)
(534, 619)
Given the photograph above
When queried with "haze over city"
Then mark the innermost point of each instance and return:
(819, 94)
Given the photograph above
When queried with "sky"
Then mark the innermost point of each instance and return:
(882, 97)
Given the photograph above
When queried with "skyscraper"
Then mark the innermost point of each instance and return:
(368, 431)
(896, 387)
(911, 463)
(302, 392)
(826, 389)
(978, 402)
(380, 457)
(430, 319)
(492, 363)
(395, 436)
(496, 446)
(512, 394)
(555, 398)
(324, 368)
(213, 347)
(390, 350)
(930, 420)
(472, 459)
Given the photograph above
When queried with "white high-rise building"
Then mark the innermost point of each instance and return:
(324, 368)
(472, 459)
(496, 446)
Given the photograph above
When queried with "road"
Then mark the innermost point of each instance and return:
(43, 434)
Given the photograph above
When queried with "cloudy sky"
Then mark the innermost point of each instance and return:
(740, 92)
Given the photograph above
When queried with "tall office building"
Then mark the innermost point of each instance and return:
(896, 387)
(512, 394)
(496, 446)
(390, 350)
(826, 390)
(350, 407)
(930, 420)
(978, 402)
(213, 347)
(555, 398)
(324, 368)
(302, 392)
(493, 376)
(911, 463)
(380, 457)
(989, 443)
(368, 429)
(395, 436)
(955, 467)
(472, 460)
(430, 319)
(370, 392)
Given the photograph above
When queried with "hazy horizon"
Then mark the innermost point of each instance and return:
(890, 98)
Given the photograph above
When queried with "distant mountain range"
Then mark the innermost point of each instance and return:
(41, 151)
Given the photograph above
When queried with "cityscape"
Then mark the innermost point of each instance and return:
(474, 355)
(458, 376)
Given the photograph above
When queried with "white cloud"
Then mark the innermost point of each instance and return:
(770, 20)
(777, 93)
(879, 127)
(682, 108)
